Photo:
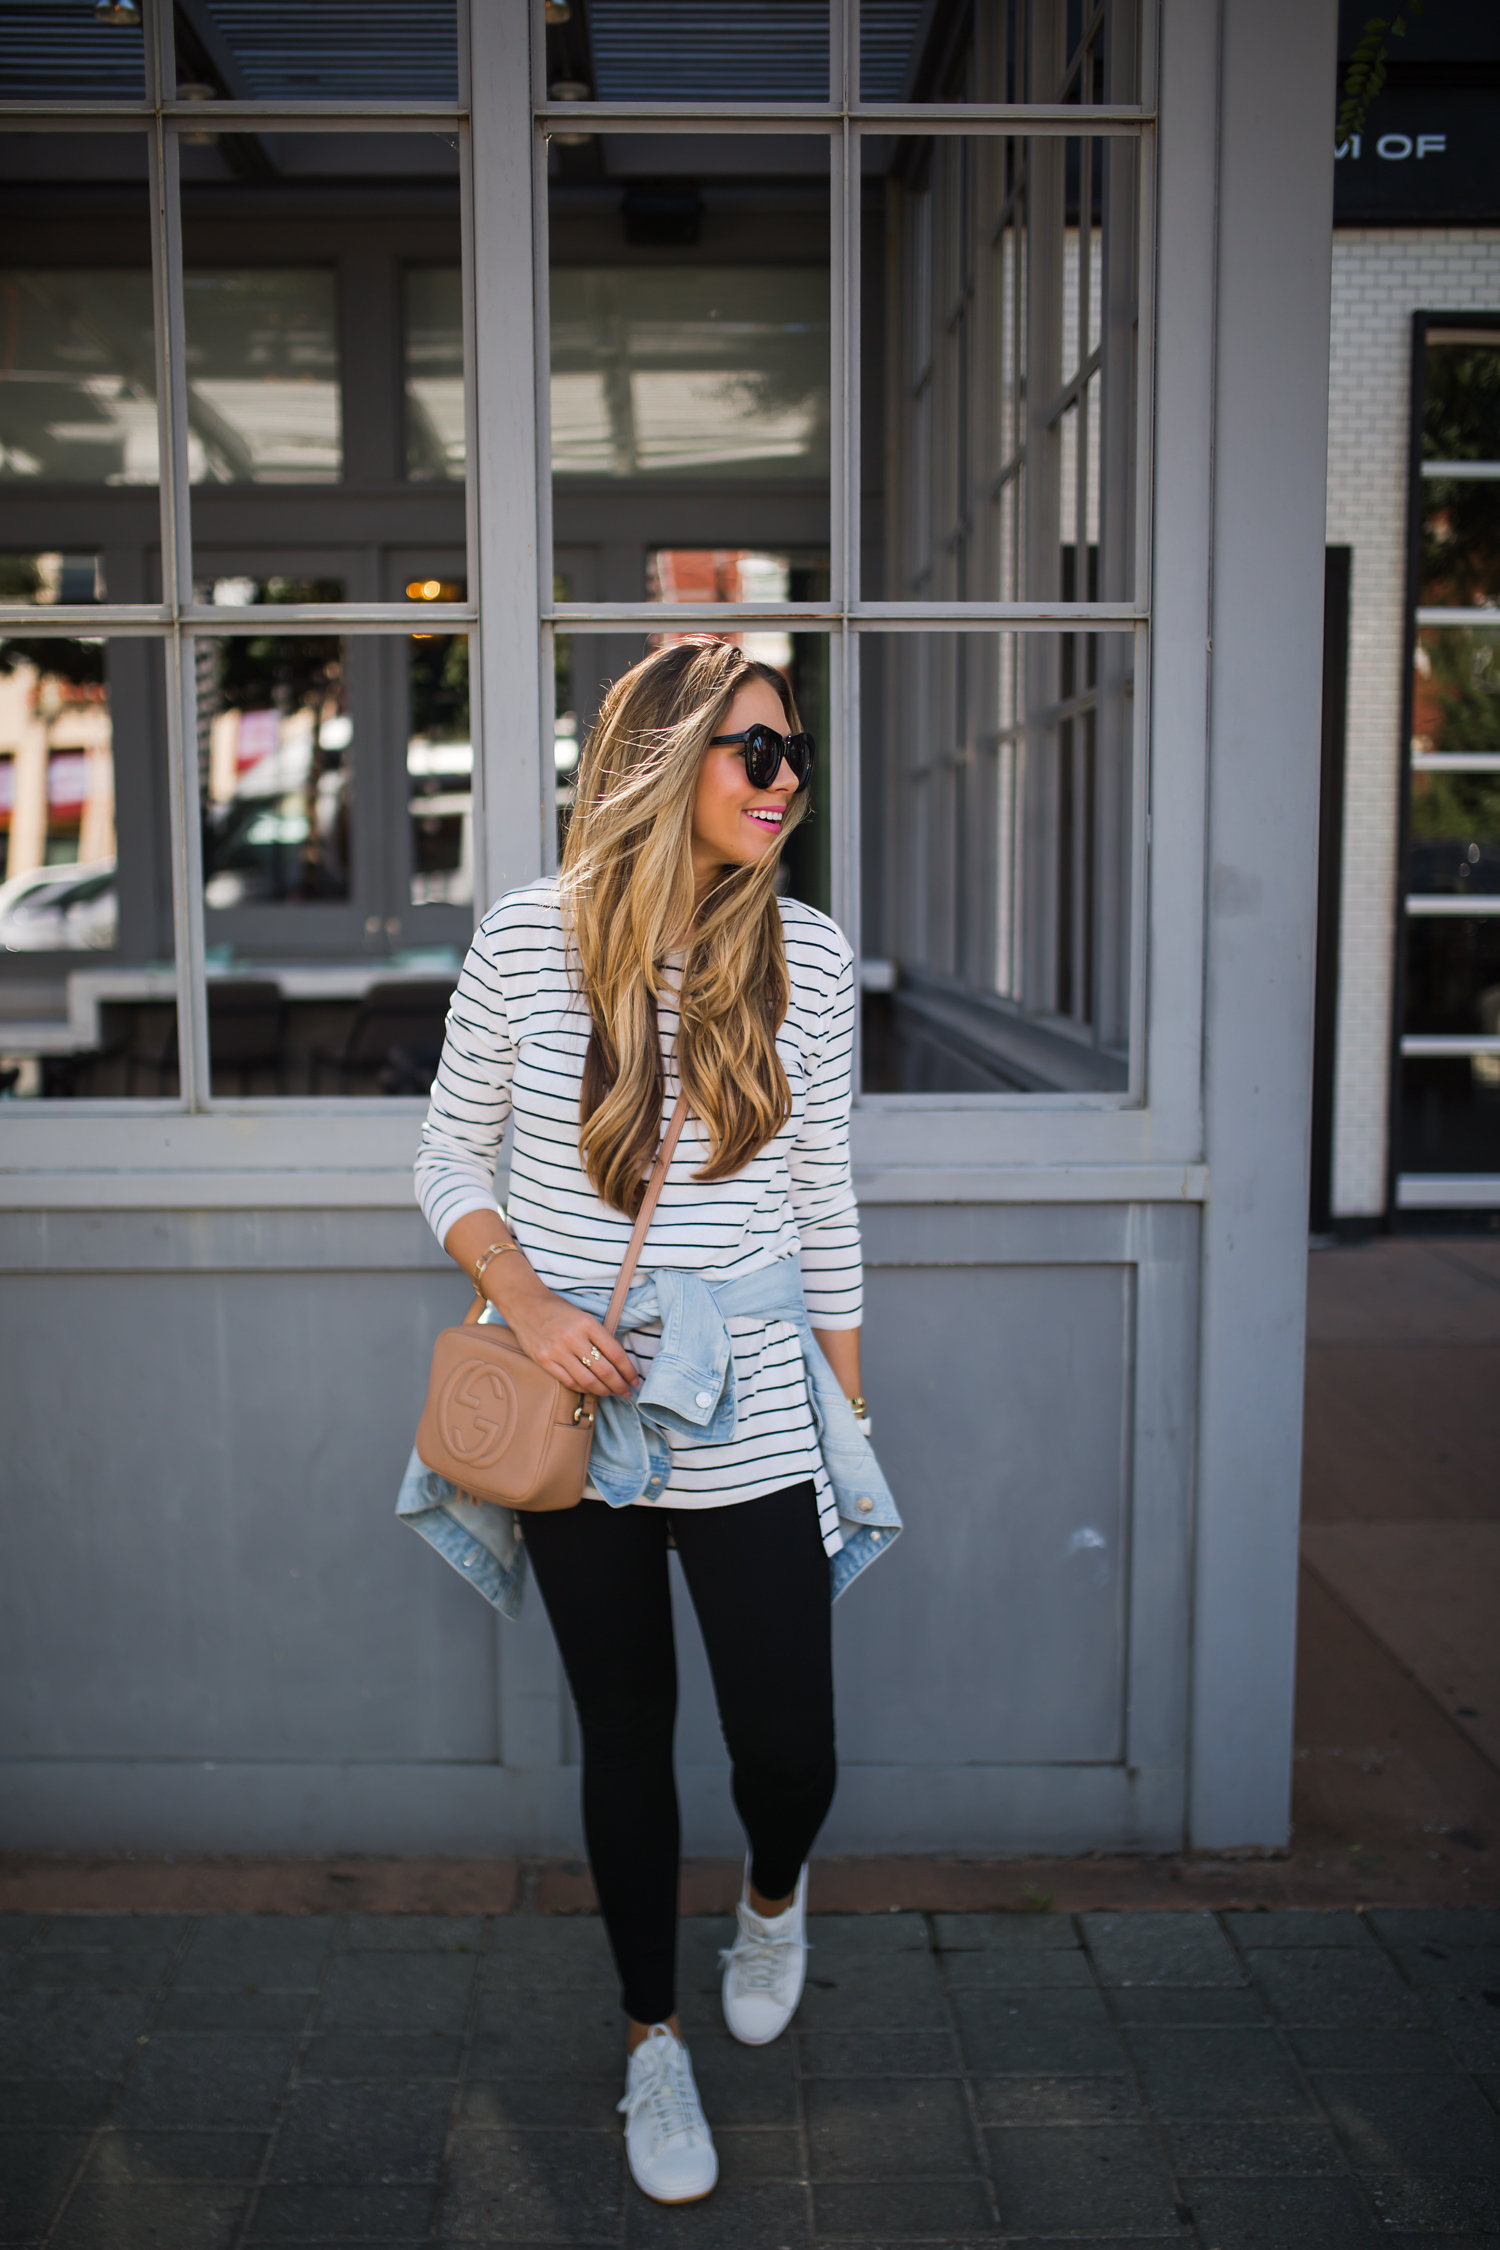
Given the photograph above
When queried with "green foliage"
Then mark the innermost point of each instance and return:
(1364, 73)
(79, 663)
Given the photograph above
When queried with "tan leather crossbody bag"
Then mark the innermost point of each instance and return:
(500, 1427)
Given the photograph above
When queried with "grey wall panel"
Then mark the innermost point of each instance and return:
(1000, 1611)
(207, 1563)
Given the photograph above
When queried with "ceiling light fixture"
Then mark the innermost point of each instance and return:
(557, 11)
(125, 14)
(194, 90)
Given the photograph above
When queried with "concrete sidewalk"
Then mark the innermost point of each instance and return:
(1264, 2081)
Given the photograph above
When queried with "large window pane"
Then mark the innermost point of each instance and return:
(325, 49)
(1016, 53)
(1461, 395)
(995, 885)
(1456, 692)
(69, 51)
(440, 771)
(999, 433)
(87, 1006)
(665, 50)
(689, 349)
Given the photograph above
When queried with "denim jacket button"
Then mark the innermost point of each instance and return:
(704, 1398)
(864, 1504)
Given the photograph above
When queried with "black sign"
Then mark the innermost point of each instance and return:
(1422, 159)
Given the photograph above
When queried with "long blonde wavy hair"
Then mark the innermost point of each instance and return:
(628, 895)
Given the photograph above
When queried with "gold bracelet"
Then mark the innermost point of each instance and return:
(495, 1250)
(859, 1407)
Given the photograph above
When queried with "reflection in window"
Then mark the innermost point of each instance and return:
(275, 748)
(677, 371)
(440, 767)
(996, 878)
(433, 345)
(57, 798)
(738, 574)
(263, 376)
(78, 394)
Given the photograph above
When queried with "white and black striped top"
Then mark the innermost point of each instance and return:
(518, 1030)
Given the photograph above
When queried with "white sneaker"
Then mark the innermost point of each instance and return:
(667, 2140)
(765, 1968)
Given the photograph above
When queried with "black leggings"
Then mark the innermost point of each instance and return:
(759, 1580)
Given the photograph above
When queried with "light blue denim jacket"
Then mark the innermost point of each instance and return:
(689, 1389)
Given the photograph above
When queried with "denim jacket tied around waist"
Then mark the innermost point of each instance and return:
(688, 1391)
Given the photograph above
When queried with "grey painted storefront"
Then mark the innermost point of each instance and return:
(1084, 1325)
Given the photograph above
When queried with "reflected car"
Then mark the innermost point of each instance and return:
(71, 909)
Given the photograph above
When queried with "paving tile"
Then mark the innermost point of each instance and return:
(1437, 2206)
(1056, 2101)
(1003, 1933)
(151, 1933)
(325, 2214)
(742, 2085)
(1085, 2178)
(904, 1992)
(1168, 2005)
(1168, 1948)
(131, 2217)
(1436, 1925)
(17, 1930)
(1018, 1969)
(397, 1992)
(1409, 2051)
(1440, 2241)
(376, 2054)
(1298, 1926)
(176, 2156)
(216, 2083)
(1466, 1967)
(526, 2033)
(556, 1952)
(527, 2187)
(1281, 2215)
(413, 1933)
(384, 2136)
(520, 2104)
(1442, 2126)
(1044, 2034)
(753, 2215)
(888, 2210)
(110, 1969)
(35, 2168)
(911, 2127)
(67, 2035)
(867, 1936)
(247, 2014)
(755, 2152)
(878, 2054)
(1254, 2151)
(54, 2105)
(1332, 1986)
(1174, 2241)
(272, 1952)
(1470, 2022)
(1194, 2074)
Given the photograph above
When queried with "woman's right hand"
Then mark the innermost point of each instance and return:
(569, 1344)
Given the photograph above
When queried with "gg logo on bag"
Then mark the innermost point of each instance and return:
(477, 1412)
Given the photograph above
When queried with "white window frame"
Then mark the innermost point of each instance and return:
(198, 1151)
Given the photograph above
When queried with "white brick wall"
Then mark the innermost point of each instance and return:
(1381, 276)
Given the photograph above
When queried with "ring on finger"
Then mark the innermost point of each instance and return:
(591, 1355)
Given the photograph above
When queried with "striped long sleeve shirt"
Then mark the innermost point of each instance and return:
(518, 1031)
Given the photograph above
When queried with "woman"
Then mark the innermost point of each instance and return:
(729, 1425)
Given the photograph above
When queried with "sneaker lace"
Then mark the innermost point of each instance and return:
(758, 1961)
(666, 2088)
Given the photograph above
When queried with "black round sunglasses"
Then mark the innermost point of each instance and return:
(763, 749)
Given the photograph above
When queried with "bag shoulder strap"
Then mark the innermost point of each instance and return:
(643, 1217)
